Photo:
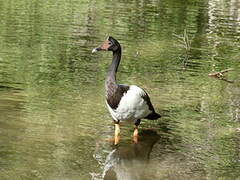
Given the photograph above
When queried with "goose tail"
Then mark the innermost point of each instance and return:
(153, 116)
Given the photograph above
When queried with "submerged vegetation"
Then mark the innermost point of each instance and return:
(185, 43)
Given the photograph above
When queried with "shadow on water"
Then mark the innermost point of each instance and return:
(128, 160)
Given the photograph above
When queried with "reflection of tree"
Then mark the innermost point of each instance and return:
(11, 127)
(234, 101)
(219, 150)
(223, 30)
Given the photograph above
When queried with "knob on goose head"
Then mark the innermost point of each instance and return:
(110, 44)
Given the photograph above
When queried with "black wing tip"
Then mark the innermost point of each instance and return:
(153, 116)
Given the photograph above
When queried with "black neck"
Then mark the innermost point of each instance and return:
(111, 76)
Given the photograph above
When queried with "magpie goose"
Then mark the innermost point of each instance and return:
(124, 102)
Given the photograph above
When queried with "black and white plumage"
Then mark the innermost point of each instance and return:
(132, 104)
(125, 103)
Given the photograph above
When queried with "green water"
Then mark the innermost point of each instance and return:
(53, 119)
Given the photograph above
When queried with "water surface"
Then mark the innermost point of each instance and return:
(53, 119)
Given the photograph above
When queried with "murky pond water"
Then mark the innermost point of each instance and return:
(53, 119)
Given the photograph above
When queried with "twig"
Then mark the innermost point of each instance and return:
(220, 74)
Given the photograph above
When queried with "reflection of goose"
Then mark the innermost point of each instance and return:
(128, 161)
(125, 103)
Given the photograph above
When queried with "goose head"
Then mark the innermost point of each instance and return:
(110, 44)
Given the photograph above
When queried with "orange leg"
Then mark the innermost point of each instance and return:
(135, 135)
(117, 134)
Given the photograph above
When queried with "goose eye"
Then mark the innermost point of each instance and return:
(109, 43)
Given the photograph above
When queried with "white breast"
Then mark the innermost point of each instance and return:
(131, 107)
